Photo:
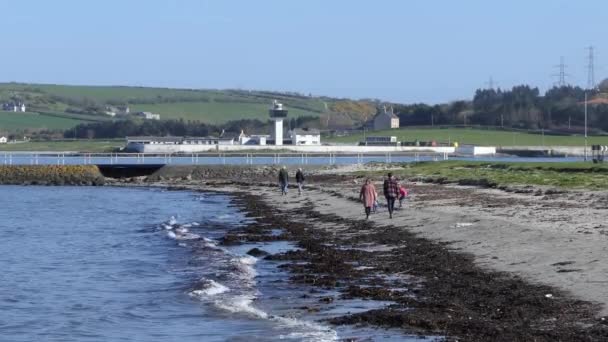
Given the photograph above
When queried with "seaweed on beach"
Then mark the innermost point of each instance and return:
(438, 292)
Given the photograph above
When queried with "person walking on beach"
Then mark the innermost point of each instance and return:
(300, 180)
(402, 194)
(368, 196)
(283, 180)
(391, 193)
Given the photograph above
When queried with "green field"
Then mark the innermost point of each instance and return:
(214, 112)
(205, 105)
(475, 136)
(496, 174)
(95, 145)
(10, 121)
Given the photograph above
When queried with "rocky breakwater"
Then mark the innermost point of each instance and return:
(228, 173)
(51, 175)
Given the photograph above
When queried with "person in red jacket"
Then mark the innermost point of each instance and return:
(402, 194)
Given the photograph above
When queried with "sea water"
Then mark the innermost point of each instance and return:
(142, 264)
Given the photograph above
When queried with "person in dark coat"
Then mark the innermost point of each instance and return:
(391, 193)
(283, 180)
(300, 180)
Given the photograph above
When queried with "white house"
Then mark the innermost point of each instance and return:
(3, 140)
(305, 137)
(148, 116)
(386, 119)
(245, 139)
(117, 110)
(14, 107)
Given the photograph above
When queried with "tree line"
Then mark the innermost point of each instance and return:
(560, 108)
(123, 128)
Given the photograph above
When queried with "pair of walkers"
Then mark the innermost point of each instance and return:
(284, 180)
(392, 190)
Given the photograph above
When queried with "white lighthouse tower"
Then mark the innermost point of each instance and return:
(277, 113)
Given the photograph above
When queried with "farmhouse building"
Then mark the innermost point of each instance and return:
(385, 119)
(14, 107)
(148, 116)
(3, 140)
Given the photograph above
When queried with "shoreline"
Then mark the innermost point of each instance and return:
(442, 290)
(469, 263)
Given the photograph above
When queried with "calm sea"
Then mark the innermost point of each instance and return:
(130, 264)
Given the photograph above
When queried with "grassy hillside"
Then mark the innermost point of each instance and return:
(475, 136)
(209, 106)
(214, 112)
(10, 122)
(95, 145)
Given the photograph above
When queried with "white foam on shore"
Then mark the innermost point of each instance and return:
(211, 288)
(245, 267)
(305, 330)
(241, 304)
(172, 221)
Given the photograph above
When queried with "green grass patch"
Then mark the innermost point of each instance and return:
(10, 121)
(93, 145)
(476, 137)
(214, 112)
(495, 174)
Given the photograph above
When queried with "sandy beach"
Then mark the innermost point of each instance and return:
(471, 263)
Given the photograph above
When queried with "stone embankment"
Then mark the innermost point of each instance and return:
(51, 175)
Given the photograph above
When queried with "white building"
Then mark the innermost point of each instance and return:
(175, 144)
(245, 139)
(305, 136)
(117, 110)
(14, 107)
(386, 119)
(3, 140)
(148, 116)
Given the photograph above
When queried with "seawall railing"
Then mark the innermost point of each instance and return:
(210, 158)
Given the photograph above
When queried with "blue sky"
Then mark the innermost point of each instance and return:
(403, 51)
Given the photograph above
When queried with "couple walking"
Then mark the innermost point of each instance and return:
(284, 180)
(392, 191)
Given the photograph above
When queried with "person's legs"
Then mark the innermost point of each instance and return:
(299, 188)
(285, 188)
(390, 202)
(367, 212)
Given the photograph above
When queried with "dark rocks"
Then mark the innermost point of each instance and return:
(256, 252)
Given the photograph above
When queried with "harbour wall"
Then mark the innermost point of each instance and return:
(51, 175)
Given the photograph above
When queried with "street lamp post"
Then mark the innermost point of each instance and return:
(585, 154)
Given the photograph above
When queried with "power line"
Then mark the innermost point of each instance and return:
(490, 84)
(562, 73)
(590, 70)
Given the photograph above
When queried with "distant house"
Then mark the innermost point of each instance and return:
(3, 140)
(305, 136)
(148, 116)
(245, 139)
(14, 107)
(385, 119)
(117, 110)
